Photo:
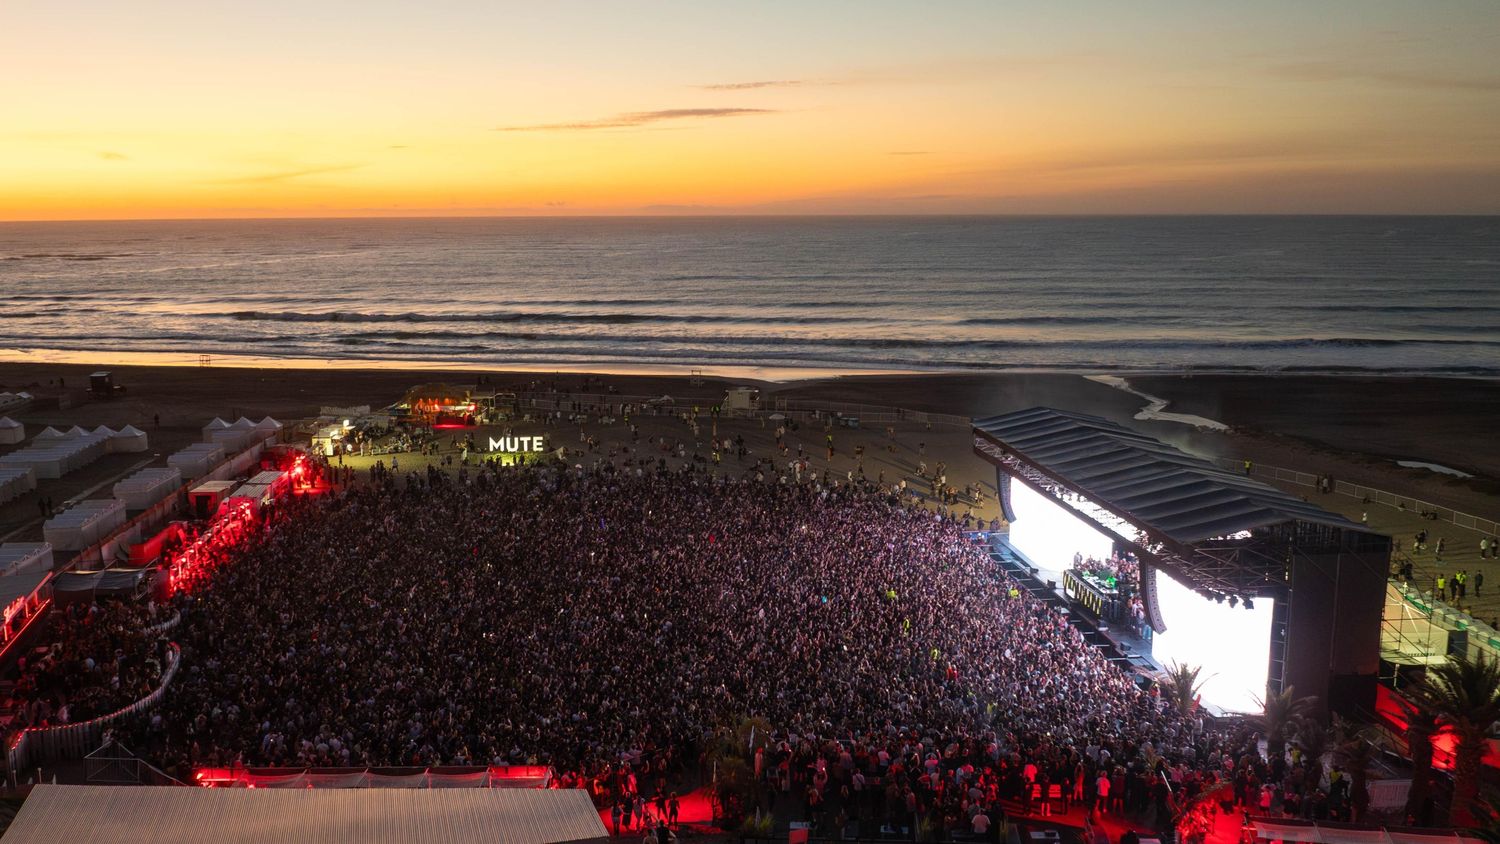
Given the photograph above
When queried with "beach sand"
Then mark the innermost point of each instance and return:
(1351, 428)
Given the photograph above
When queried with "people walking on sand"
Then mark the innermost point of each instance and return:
(1484, 549)
(1478, 582)
(1441, 586)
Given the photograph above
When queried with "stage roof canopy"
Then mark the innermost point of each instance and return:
(1150, 484)
(71, 813)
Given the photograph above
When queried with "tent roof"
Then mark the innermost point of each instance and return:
(243, 424)
(1152, 485)
(217, 423)
(129, 431)
(70, 813)
(7, 422)
(13, 586)
(105, 429)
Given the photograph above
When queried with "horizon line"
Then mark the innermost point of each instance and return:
(767, 215)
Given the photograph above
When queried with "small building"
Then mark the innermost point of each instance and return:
(742, 399)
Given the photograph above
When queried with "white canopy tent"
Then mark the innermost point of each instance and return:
(64, 814)
(16, 481)
(11, 431)
(145, 488)
(51, 433)
(20, 557)
(84, 523)
(53, 458)
(129, 440)
(197, 460)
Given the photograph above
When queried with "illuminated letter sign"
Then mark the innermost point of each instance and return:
(516, 445)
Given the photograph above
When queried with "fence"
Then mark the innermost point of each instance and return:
(1439, 512)
(787, 407)
(451, 776)
(74, 741)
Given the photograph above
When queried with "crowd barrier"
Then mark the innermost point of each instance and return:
(450, 776)
(75, 741)
(786, 407)
(1438, 512)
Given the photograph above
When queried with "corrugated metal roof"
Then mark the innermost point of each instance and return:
(1175, 495)
(72, 814)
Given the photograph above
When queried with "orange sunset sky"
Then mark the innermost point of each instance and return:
(176, 109)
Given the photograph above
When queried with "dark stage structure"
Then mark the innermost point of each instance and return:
(1217, 532)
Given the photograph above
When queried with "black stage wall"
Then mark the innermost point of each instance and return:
(1336, 602)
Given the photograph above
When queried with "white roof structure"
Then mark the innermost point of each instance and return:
(84, 523)
(16, 481)
(21, 557)
(50, 433)
(65, 814)
(105, 430)
(11, 431)
(243, 424)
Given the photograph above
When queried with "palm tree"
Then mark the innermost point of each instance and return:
(1278, 719)
(1355, 751)
(1181, 686)
(1464, 696)
(1312, 737)
(1420, 728)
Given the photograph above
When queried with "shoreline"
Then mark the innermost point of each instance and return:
(769, 374)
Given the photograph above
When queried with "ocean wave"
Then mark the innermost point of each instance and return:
(620, 318)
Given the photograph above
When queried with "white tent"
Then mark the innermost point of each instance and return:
(11, 431)
(197, 460)
(128, 439)
(145, 488)
(243, 424)
(51, 433)
(53, 458)
(84, 523)
(78, 431)
(216, 425)
(105, 430)
(16, 481)
(63, 814)
(268, 425)
(19, 557)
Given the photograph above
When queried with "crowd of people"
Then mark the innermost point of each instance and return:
(614, 623)
(103, 657)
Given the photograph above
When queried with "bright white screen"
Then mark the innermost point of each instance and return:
(1047, 532)
(1231, 644)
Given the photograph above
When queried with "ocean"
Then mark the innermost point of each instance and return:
(770, 296)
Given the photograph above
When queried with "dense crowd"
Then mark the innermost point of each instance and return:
(102, 657)
(615, 624)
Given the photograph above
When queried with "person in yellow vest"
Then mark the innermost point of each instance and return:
(1442, 586)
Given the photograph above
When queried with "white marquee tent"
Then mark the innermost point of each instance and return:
(128, 440)
(16, 481)
(84, 523)
(197, 460)
(11, 431)
(20, 557)
(64, 814)
(145, 488)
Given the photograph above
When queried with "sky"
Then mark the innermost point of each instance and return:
(157, 109)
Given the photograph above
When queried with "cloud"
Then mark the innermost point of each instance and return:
(288, 175)
(632, 119)
(752, 86)
(1336, 71)
(109, 155)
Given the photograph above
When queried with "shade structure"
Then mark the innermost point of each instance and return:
(128, 440)
(148, 486)
(20, 557)
(84, 523)
(16, 481)
(197, 460)
(11, 431)
(50, 433)
(53, 457)
(72, 813)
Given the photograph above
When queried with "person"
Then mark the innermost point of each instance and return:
(980, 824)
(1484, 551)
(1478, 581)
(1247, 467)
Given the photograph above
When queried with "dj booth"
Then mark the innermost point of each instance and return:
(1093, 593)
